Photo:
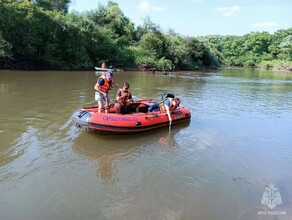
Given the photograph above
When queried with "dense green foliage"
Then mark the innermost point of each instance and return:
(256, 49)
(42, 34)
(54, 5)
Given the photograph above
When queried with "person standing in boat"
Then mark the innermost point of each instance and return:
(123, 99)
(110, 78)
(102, 88)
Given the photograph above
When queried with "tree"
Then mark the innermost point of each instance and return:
(5, 48)
(286, 47)
(164, 64)
(277, 39)
(112, 17)
(54, 5)
(199, 53)
(148, 26)
(176, 51)
(153, 42)
(23, 26)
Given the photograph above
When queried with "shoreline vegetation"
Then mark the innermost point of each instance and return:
(43, 35)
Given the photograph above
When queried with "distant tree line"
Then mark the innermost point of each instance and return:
(42, 34)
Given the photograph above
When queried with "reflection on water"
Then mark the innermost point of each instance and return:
(105, 152)
(215, 167)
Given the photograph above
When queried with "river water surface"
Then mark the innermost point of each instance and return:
(218, 166)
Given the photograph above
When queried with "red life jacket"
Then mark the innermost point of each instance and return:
(106, 86)
(125, 99)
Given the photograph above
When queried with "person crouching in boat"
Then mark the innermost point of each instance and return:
(102, 88)
(167, 105)
(123, 99)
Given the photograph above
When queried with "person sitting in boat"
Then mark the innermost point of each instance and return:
(102, 88)
(123, 99)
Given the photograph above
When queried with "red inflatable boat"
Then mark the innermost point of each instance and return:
(138, 120)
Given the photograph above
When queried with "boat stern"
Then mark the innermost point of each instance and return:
(81, 118)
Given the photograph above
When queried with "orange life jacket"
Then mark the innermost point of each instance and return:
(106, 86)
(125, 99)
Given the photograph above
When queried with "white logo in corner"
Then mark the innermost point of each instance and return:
(271, 197)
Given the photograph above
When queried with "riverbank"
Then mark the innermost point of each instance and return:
(276, 65)
(45, 67)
